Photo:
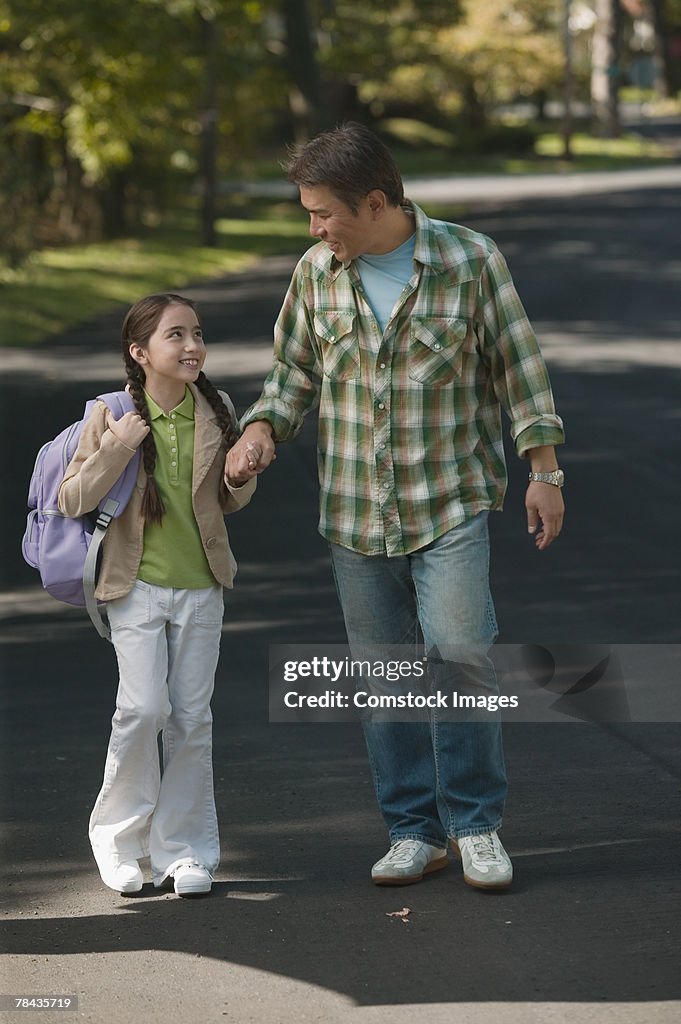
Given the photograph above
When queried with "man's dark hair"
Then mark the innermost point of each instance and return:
(351, 161)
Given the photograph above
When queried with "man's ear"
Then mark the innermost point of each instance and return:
(376, 201)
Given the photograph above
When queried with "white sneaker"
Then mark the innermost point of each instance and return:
(407, 861)
(191, 879)
(486, 865)
(125, 878)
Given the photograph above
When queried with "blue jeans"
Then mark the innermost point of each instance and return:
(434, 779)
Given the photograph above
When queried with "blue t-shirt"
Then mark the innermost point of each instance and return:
(384, 277)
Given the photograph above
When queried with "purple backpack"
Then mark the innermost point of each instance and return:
(65, 551)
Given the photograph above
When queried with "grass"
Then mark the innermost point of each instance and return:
(591, 153)
(58, 288)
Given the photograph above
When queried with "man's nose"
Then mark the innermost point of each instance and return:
(316, 228)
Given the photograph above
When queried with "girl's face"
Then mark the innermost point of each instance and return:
(175, 351)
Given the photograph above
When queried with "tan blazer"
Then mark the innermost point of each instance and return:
(99, 461)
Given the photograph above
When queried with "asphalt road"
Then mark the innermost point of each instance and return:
(294, 930)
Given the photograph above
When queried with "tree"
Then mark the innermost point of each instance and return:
(121, 105)
(305, 92)
(605, 67)
(453, 63)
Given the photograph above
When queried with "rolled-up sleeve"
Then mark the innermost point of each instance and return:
(519, 375)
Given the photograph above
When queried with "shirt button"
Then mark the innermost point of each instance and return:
(173, 415)
(382, 447)
(437, 347)
(383, 366)
(173, 463)
(381, 405)
(173, 449)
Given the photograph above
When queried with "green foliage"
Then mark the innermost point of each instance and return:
(482, 55)
(114, 93)
(504, 138)
(114, 111)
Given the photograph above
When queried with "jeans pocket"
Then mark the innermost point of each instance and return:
(132, 610)
(209, 607)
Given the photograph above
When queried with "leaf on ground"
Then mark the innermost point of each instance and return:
(403, 914)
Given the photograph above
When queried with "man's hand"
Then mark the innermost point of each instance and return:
(252, 453)
(545, 511)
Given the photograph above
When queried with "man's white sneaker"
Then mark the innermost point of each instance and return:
(407, 861)
(191, 880)
(125, 878)
(486, 865)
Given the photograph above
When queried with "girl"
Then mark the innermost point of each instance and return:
(164, 564)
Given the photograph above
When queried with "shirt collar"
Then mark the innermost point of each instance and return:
(185, 408)
(427, 249)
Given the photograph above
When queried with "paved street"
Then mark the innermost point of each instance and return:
(294, 930)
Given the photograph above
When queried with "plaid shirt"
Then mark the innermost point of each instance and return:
(410, 438)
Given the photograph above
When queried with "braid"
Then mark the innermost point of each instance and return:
(228, 425)
(152, 502)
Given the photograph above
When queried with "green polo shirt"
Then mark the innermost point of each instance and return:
(173, 553)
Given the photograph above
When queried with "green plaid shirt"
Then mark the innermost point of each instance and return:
(410, 438)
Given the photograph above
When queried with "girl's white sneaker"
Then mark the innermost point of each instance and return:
(191, 880)
(125, 878)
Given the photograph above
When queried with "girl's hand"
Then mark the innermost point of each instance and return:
(235, 475)
(130, 429)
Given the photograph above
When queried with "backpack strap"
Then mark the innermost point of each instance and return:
(112, 505)
(106, 514)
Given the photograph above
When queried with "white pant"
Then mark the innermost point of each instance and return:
(167, 644)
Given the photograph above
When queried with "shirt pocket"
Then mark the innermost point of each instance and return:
(338, 343)
(436, 346)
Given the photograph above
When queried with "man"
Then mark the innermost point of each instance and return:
(409, 336)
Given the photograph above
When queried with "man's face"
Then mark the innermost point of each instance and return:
(347, 234)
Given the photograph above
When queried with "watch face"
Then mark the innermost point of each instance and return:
(560, 477)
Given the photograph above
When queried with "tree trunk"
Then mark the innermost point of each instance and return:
(605, 70)
(208, 141)
(112, 203)
(567, 122)
(305, 94)
(662, 57)
(474, 114)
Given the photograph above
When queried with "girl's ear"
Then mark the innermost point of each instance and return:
(137, 353)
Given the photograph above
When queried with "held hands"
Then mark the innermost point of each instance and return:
(252, 453)
(545, 511)
(130, 429)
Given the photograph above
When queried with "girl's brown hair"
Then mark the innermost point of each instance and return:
(140, 322)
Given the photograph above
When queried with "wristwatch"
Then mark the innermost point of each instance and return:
(556, 477)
